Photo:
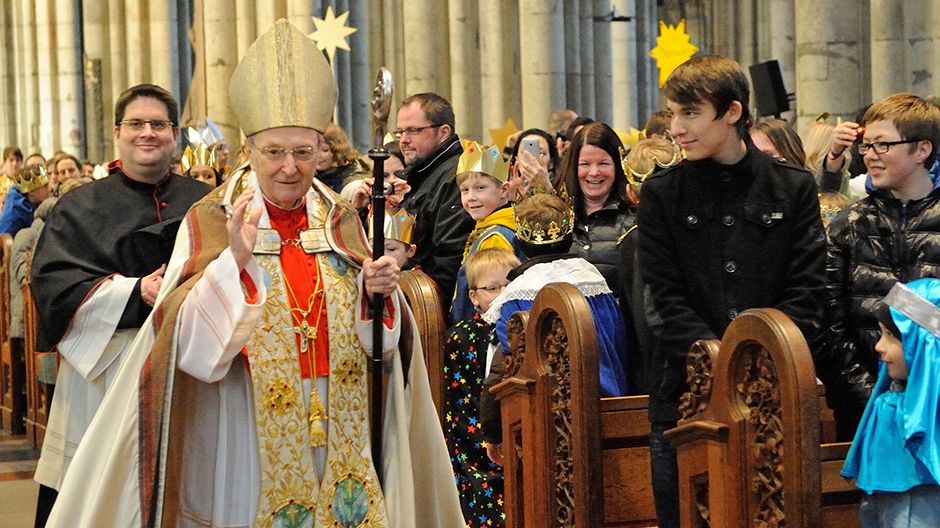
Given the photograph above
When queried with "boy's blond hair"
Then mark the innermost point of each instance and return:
(913, 116)
(485, 259)
(464, 176)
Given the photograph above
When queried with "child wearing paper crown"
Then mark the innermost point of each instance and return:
(895, 457)
(399, 225)
(482, 176)
(479, 481)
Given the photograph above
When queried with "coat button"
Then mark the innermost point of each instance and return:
(732, 313)
(728, 219)
(586, 247)
(731, 266)
(691, 219)
(765, 218)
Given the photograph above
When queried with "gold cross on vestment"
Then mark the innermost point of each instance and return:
(307, 333)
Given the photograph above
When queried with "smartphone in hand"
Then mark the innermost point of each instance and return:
(531, 145)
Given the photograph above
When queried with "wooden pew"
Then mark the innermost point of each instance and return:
(424, 298)
(573, 459)
(12, 368)
(38, 395)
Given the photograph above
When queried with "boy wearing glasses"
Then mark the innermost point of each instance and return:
(891, 235)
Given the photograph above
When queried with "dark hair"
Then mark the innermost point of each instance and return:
(552, 149)
(883, 314)
(713, 78)
(599, 135)
(63, 157)
(395, 150)
(578, 122)
(437, 109)
(147, 90)
(784, 139)
(12, 151)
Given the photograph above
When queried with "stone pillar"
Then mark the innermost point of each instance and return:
(574, 80)
(300, 11)
(137, 37)
(427, 66)
(541, 60)
(494, 62)
(47, 69)
(245, 18)
(830, 74)
(361, 77)
(647, 75)
(464, 29)
(266, 14)
(779, 26)
(7, 79)
(919, 48)
(596, 60)
(68, 80)
(164, 57)
(116, 65)
(622, 66)
(888, 47)
(98, 100)
(28, 90)
(221, 59)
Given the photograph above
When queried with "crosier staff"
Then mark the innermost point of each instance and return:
(381, 105)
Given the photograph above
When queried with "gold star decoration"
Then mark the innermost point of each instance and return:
(629, 138)
(673, 47)
(331, 32)
(500, 134)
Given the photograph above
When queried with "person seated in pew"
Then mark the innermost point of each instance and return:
(895, 457)
(544, 224)
(479, 480)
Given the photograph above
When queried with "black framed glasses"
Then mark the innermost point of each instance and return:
(882, 147)
(157, 125)
(412, 131)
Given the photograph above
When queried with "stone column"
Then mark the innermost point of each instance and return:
(574, 80)
(245, 31)
(779, 26)
(595, 60)
(888, 48)
(221, 59)
(47, 69)
(98, 100)
(266, 14)
(622, 65)
(7, 79)
(137, 37)
(830, 72)
(541, 60)
(300, 11)
(647, 75)
(920, 48)
(494, 61)
(164, 57)
(116, 64)
(28, 88)
(361, 77)
(427, 66)
(68, 80)
(465, 37)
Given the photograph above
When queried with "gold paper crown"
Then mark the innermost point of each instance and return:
(398, 225)
(283, 80)
(200, 156)
(538, 234)
(6, 183)
(31, 178)
(481, 158)
(636, 178)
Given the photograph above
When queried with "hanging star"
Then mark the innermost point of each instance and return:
(331, 32)
(673, 47)
(500, 134)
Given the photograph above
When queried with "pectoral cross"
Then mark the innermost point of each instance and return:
(307, 333)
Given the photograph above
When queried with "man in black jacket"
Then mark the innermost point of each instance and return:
(728, 229)
(891, 235)
(429, 143)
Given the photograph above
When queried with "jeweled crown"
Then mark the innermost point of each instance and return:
(536, 233)
(399, 225)
(28, 179)
(484, 159)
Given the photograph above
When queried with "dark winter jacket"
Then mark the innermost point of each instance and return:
(715, 240)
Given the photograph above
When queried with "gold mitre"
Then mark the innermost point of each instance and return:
(399, 225)
(283, 80)
(482, 158)
(537, 234)
(201, 155)
(31, 178)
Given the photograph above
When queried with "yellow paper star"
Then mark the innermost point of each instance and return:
(673, 47)
(331, 32)
(628, 138)
(500, 134)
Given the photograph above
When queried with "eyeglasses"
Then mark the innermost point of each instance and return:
(881, 147)
(492, 289)
(412, 131)
(280, 154)
(138, 124)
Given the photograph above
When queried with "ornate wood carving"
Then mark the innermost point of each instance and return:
(555, 350)
(702, 515)
(515, 330)
(698, 371)
(760, 393)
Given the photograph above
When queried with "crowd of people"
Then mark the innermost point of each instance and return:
(213, 318)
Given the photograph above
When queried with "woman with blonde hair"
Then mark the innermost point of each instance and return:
(816, 139)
